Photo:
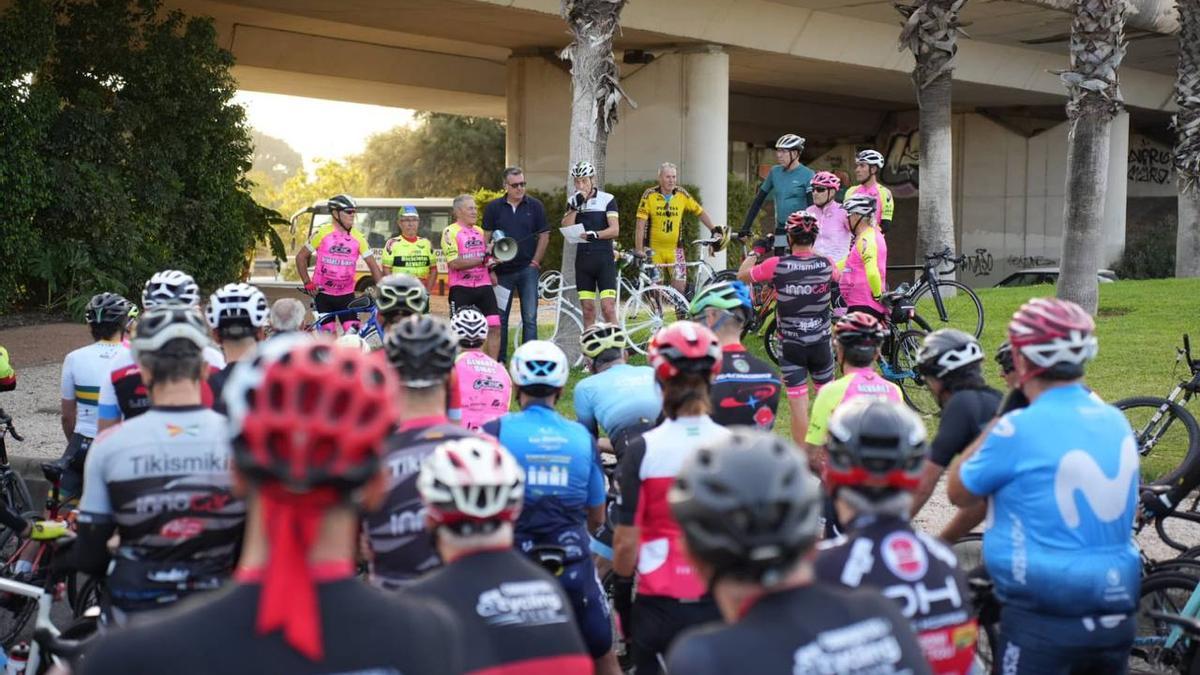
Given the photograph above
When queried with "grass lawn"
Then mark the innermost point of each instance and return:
(1140, 324)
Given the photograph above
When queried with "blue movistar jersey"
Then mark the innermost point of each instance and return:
(1061, 477)
(562, 476)
(617, 399)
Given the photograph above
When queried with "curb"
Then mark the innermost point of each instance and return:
(30, 468)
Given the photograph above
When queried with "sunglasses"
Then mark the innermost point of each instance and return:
(349, 211)
(820, 189)
(517, 185)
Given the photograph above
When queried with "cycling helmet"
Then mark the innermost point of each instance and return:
(684, 347)
(237, 303)
(826, 179)
(790, 142)
(860, 205)
(859, 334)
(422, 349)
(470, 325)
(471, 485)
(409, 212)
(946, 350)
(342, 203)
(1057, 336)
(539, 362)
(401, 294)
(601, 337)
(748, 506)
(170, 287)
(164, 324)
(107, 308)
(803, 222)
(875, 446)
(869, 157)
(583, 170)
(353, 341)
(1004, 357)
(731, 296)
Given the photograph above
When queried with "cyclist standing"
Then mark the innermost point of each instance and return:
(309, 467)
(161, 480)
(746, 390)
(671, 596)
(621, 399)
(876, 449)
(564, 489)
(519, 620)
(803, 283)
(867, 166)
(421, 349)
(410, 253)
(481, 388)
(663, 207)
(864, 270)
(951, 361)
(790, 182)
(337, 246)
(1061, 480)
(750, 515)
(237, 314)
(8, 376)
(472, 281)
(833, 224)
(83, 372)
(400, 296)
(595, 267)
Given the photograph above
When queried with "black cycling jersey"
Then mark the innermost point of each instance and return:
(402, 547)
(919, 573)
(216, 382)
(966, 414)
(809, 629)
(363, 631)
(746, 391)
(517, 616)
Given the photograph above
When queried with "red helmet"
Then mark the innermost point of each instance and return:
(684, 347)
(802, 222)
(1054, 335)
(859, 327)
(826, 179)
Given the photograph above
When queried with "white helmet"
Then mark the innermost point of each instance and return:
(539, 362)
(871, 157)
(160, 325)
(237, 303)
(353, 341)
(471, 483)
(470, 325)
(861, 205)
(170, 287)
(583, 170)
(790, 142)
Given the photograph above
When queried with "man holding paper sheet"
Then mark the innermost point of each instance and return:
(595, 266)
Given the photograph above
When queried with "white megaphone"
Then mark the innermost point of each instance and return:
(504, 247)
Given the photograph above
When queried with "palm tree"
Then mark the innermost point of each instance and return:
(1097, 47)
(1187, 141)
(597, 97)
(931, 29)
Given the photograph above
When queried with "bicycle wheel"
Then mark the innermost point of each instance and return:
(1167, 593)
(771, 342)
(648, 310)
(549, 283)
(904, 367)
(724, 275)
(1166, 434)
(963, 309)
(16, 497)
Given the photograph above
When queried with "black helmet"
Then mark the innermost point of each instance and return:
(341, 202)
(748, 505)
(402, 294)
(947, 350)
(108, 308)
(875, 446)
(422, 349)
(1005, 358)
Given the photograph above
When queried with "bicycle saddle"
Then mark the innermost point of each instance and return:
(361, 303)
(53, 471)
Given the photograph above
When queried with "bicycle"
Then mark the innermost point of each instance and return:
(344, 321)
(13, 489)
(699, 272)
(930, 293)
(969, 551)
(898, 356)
(1154, 419)
(62, 647)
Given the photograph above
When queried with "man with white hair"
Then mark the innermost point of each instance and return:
(472, 281)
(287, 316)
(663, 207)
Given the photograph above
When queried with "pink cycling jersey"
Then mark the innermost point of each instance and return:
(337, 253)
(864, 271)
(484, 388)
(833, 239)
(467, 242)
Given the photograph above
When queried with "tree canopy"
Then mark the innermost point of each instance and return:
(274, 159)
(440, 156)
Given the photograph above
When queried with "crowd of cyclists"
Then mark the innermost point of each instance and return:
(282, 501)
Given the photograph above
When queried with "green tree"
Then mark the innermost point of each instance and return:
(440, 156)
(274, 159)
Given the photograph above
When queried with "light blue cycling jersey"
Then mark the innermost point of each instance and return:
(618, 398)
(1062, 481)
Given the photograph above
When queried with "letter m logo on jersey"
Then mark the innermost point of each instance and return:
(1078, 473)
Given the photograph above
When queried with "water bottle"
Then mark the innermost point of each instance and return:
(18, 658)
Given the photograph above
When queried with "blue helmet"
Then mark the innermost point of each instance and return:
(409, 212)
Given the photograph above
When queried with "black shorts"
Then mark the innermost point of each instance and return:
(799, 361)
(482, 298)
(657, 621)
(867, 310)
(596, 275)
(334, 303)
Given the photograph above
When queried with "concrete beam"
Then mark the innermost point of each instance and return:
(1152, 16)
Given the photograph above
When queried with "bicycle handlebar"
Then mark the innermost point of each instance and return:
(7, 426)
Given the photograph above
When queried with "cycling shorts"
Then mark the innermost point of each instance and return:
(595, 273)
(1056, 645)
(75, 456)
(334, 303)
(799, 361)
(672, 256)
(482, 298)
(590, 605)
(867, 310)
(658, 620)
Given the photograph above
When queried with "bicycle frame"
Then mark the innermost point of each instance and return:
(930, 271)
(44, 600)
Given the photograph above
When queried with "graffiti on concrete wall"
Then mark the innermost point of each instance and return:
(1022, 261)
(903, 168)
(978, 263)
(1149, 163)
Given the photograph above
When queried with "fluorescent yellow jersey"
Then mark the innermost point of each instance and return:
(409, 257)
(665, 216)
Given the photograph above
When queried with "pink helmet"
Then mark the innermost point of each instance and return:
(826, 179)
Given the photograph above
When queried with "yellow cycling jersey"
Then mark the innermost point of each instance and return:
(666, 215)
(409, 257)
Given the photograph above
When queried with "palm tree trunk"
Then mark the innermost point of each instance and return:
(930, 32)
(1187, 143)
(1097, 47)
(596, 97)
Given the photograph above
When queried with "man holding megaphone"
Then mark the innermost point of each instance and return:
(472, 280)
(518, 232)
